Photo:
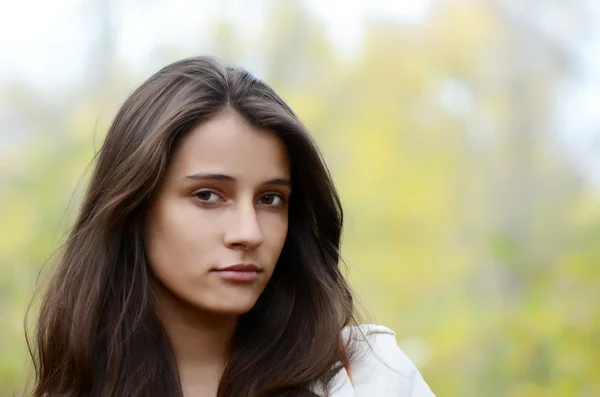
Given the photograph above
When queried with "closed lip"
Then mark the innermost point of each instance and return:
(242, 267)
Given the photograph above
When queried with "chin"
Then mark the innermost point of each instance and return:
(233, 308)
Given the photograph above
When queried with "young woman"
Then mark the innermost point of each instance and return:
(204, 260)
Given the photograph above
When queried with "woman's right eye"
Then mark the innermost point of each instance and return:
(207, 196)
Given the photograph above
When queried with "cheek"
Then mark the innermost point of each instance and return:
(175, 238)
(276, 235)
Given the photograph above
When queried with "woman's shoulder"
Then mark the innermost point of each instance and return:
(379, 367)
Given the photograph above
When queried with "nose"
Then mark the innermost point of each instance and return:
(243, 230)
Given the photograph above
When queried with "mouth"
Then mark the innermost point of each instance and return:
(241, 267)
(244, 272)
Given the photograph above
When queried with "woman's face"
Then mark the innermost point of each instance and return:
(223, 202)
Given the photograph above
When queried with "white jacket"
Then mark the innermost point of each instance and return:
(381, 370)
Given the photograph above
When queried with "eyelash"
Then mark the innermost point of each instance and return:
(206, 203)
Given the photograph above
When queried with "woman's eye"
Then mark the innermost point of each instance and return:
(272, 200)
(206, 196)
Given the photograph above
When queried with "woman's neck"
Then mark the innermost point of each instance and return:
(200, 342)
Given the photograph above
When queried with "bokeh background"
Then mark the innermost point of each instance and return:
(464, 137)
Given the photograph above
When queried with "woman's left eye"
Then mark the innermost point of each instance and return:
(271, 199)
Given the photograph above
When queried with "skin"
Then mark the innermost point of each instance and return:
(223, 201)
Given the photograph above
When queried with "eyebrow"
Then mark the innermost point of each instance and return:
(227, 178)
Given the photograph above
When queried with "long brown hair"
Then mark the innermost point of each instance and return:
(98, 333)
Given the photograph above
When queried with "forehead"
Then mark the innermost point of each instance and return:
(228, 144)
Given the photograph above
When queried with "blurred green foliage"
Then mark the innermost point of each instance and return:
(467, 229)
